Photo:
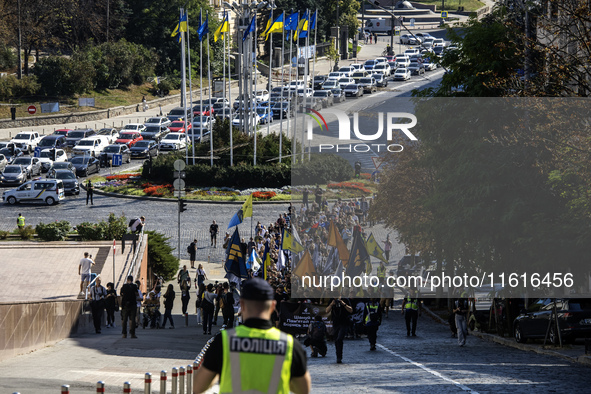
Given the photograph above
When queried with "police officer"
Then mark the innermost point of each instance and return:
(372, 321)
(410, 309)
(255, 356)
(382, 273)
(20, 221)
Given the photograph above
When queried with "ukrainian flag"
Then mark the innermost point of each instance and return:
(224, 27)
(275, 26)
(180, 27)
(302, 26)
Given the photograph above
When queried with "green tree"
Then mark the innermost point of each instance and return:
(62, 76)
(160, 258)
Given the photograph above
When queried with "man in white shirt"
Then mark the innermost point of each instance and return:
(84, 270)
(137, 226)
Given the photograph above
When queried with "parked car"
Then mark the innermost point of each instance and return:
(325, 96)
(353, 90)
(208, 109)
(282, 110)
(177, 113)
(369, 65)
(261, 95)
(31, 164)
(111, 134)
(201, 123)
(3, 162)
(154, 132)
(115, 149)
(159, 121)
(63, 132)
(416, 67)
(48, 191)
(148, 148)
(68, 178)
(129, 138)
(408, 39)
(26, 140)
(53, 141)
(402, 61)
(318, 81)
(345, 81)
(358, 67)
(13, 175)
(307, 92)
(331, 84)
(383, 68)
(573, 315)
(357, 75)
(429, 65)
(337, 92)
(381, 80)
(173, 141)
(347, 71)
(85, 165)
(265, 116)
(91, 146)
(11, 154)
(76, 135)
(240, 119)
(62, 165)
(49, 156)
(402, 74)
(368, 84)
(178, 126)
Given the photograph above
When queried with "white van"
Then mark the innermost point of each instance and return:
(90, 146)
(48, 191)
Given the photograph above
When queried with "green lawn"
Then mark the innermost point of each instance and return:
(453, 5)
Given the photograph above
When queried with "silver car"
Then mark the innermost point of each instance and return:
(32, 165)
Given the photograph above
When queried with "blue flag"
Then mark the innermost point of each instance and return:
(203, 29)
(235, 264)
(291, 22)
(313, 20)
(249, 30)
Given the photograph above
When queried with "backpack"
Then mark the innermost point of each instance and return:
(132, 221)
(189, 248)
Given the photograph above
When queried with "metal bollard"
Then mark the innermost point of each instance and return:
(100, 386)
(175, 378)
(189, 379)
(182, 380)
(126, 387)
(162, 382)
(148, 383)
(66, 389)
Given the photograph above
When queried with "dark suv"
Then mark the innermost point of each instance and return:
(53, 141)
(76, 135)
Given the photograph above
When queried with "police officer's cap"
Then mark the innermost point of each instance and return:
(257, 290)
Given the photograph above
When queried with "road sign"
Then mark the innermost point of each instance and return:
(377, 161)
(397, 30)
(32, 109)
(117, 160)
(179, 174)
(444, 14)
(179, 184)
(412, 22)
(37, 152)
(179, 165)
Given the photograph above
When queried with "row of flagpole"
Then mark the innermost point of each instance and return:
(292, 23)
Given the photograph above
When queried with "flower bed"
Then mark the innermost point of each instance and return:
(157, 190)
(264, 195)
(121, 176)
(349, 185)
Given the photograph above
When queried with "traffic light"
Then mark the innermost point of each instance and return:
(182, 206)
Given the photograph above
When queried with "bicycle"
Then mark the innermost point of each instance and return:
(388, 51)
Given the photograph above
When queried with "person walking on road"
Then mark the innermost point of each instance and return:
(411, 311)
(84, 270)
(372, 321)
(340, 310)
(89, 192)
(461, 311)
(20, 221)
(255, 356)
(207, 305)
(193, 252)
(213, 232)
(168, 305)
(185, 295)
(387, 247)
(97, 303)
(201, 276)
(129, 299)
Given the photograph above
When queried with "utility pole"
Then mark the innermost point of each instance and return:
(20, 60)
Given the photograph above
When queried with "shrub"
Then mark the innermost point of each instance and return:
(92, 231)
(321, 169)
(4, 234)
(56, 231)
(11, 87)
(27, 232)
(61, 76)
(116, 227)
(160, 258)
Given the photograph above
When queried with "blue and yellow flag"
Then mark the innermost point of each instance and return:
(288, 242)
(244, 212)
(180, 27)
(275, 26)
(235, 264)
(358, 258)
(302, 26)
(374, 249)
(224, 27)
(291, 22)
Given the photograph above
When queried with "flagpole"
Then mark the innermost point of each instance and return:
(184, 84)
(305, 80)
(190, 91)
(209, 90)
(230, 93)
(201, 80)
(293, 141)
(270, 74)
(281, 97)
(295, 118)
(313, 67)
(254, 76)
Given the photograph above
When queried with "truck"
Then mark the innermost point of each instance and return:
(380, 25)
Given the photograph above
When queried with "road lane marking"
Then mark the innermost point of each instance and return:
(432, 372)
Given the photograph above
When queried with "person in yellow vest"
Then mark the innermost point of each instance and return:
(255, 356)
(372, 321)
(20, 221)
(411, 309)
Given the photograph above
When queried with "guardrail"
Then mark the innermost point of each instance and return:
(132, 268)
